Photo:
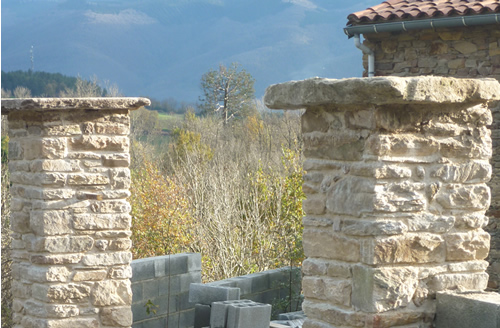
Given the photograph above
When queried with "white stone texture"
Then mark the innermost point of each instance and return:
(396, 194)
(70, 178)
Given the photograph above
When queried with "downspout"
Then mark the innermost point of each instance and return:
(367, 51)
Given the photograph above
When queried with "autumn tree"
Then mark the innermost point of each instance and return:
(228, 91)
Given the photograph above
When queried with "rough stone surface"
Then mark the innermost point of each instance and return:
(69, 166)
(396, 194)
(463, 52)
(378, 91)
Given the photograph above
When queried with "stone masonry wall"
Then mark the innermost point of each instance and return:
(68, 160)
(459, 52)
(396, 195)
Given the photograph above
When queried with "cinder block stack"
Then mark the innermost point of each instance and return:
(220, 307)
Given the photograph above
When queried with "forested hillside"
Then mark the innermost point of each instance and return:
(40, 84)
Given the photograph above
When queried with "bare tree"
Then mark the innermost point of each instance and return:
(84, 88)
(228, 91)
(22, 92)
(6, 93)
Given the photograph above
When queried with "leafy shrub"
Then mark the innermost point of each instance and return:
(161, 218)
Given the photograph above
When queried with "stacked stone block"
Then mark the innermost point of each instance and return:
(164, 281)
(68, 160)
(396, 195)
(472, 52)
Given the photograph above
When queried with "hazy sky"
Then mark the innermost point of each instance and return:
(160, 48)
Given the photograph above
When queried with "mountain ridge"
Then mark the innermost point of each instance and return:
(161, 48)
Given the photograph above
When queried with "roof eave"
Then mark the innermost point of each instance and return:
(432, 23)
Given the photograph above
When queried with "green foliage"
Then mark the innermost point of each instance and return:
(245, 191)
(21, 84)
(228, 91)
(151, 308)
(41, 84)
(5, 149)
(161, 218)
(169, 106)
(293, 299)
(279, 198)
(144, 122)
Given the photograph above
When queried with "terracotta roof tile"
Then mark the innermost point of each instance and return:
(394, 10)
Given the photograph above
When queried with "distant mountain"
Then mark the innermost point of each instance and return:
(160, 48)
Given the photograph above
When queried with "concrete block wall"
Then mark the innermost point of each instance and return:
(466, 310)
(164, 281)
(268, 286)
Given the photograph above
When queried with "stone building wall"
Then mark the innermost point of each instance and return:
(459, 52)
(70, 222)
(396, 195)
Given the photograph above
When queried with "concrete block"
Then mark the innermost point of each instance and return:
(194, 262)
(139, 311)
(260, 281)
(137, 292)
(184, 303)
(186, 318)
(466, 310)
(152, 323)
(267, 297)
(150, 289)
(201, 315)
(218, 315)
(189, 278)
(207, 294)
(243, 283)
(143, 269)
(171, 265)
(249, 315)
(292, 315)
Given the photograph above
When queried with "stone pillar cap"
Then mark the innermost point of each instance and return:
(379, 91)
(47, 104)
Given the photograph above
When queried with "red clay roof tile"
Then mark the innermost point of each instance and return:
(394, 10)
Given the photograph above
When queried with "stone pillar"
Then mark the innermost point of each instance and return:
(396, 195)
(68, 160)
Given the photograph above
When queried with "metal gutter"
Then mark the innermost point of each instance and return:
(433, 23)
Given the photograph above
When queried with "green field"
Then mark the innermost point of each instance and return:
(169, 121)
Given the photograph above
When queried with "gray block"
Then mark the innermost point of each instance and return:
(249, 315)
(186, 318)
(194, 262)
(143, 269)
(218, 315)
(150, 289)
(260, 281)
(244, 284)
(207, 294)
(137, 292)
(292, 315)
(466, 310)
(201, 315)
